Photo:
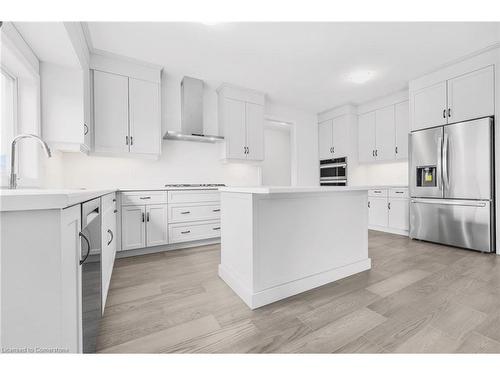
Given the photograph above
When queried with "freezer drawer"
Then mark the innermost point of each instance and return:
(452, 222)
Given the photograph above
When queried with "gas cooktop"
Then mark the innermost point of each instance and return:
(194, 185)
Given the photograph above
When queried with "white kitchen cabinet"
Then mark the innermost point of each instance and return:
(398, 214)
(87, 116)
(465, 97)
(428, 106)
(254, 121)
(366, 137)
(377, 215)
(133, 227)
(334, 138)
(402, 128)
(340, 136)
(111, 113)
(384, 133)
(144, 107)
(156, 225)
(241, 122)
(325, 137)
(235, 134)
(126, 104)
(108, 241)
(471, 95)
(388, 210)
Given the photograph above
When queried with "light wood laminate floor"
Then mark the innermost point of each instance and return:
(417, 298)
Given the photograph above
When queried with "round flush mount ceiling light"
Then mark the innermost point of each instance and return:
(360, 76)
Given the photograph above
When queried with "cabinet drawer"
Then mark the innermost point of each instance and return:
(108, 201)
(377, 193)
(144, 197)
(192, 196)
(182, 213)
(398, 193)
(192, 232)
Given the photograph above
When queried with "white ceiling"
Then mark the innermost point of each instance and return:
(300, 64)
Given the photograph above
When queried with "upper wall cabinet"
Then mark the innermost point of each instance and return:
(464, 97)
(126, 104)
(65, 95)
(383, 133)
(241, 121)
(334, 137)
(402, 127)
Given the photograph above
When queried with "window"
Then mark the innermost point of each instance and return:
(8, 111)
(19, 107)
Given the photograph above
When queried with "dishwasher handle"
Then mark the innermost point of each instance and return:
(88, 247)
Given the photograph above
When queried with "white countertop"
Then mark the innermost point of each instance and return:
(290, 189)
(46, 199)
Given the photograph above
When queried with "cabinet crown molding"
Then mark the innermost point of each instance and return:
(240, 93)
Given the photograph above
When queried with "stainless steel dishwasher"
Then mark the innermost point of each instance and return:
(90, 263)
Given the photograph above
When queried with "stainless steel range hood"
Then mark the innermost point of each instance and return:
(192, 114)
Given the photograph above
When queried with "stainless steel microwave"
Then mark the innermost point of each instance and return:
(333, 172)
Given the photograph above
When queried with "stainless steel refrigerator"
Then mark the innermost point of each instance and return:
(452, 185)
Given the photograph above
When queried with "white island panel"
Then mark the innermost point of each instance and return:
(276, 245)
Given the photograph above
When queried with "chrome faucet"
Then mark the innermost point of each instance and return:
(13, 176)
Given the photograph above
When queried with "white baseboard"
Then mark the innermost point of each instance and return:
(401, 232)
(169, 247)
(279, 292)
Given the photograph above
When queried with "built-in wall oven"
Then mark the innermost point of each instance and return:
(90, 263)
(333, 172)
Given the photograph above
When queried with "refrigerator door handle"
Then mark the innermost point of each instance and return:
(439, 164)
(446, 177)
(450, 202)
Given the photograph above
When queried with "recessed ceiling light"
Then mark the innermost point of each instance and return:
(360, 76)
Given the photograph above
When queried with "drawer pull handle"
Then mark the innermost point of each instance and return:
(145, 198)
(185, 212)
(399, 192)
(115, 211)
(216, 228)
(186, 232)
(216, 210)
(377, 192)
(114, 199)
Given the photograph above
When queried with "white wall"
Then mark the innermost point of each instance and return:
(186, 162)
(394, 173)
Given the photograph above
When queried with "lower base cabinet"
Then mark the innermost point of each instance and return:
(388, 210)
(174, 217)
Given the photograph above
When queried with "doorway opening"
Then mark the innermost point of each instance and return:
(277, 164)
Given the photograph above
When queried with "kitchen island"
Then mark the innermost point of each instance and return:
(280, 241)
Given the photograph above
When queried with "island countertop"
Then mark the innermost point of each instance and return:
(290, 189)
